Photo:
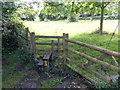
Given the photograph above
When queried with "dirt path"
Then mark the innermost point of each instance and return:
(35, 80)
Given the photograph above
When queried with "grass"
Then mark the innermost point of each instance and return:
(10, 77)
(73, 28)
(50, 83)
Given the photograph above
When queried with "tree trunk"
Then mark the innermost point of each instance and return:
(101, 20)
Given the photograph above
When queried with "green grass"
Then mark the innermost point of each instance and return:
(50, 83)
(11, 77)
(73, 28)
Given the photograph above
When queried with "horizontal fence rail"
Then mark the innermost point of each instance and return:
(116, 68)
(46, 50)
(112, 53)
(78, 71)
(48, 36)
(40, 43)
(98, 75)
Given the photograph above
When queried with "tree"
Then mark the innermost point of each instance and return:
(103, 6)
(25, 11)
(54, 9)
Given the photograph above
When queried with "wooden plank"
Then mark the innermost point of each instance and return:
(98, 75)
(78, 71)
(47, 56)
(45, 50)
(109, 52)
(41, 43)
(115, 68)
(48, 36)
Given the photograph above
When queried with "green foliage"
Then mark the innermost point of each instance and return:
(11, 41)
(103, 85)
(72, 10)
(25, 12)
(53, 9)
(8, 9)
(11, 27)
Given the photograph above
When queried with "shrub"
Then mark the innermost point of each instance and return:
(10, 39)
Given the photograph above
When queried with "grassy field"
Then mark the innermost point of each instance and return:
(73, 28)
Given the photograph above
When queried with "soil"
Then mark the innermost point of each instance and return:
(21, 66)
(33, 80)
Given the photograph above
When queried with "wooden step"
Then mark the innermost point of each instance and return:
(47, 56)
(40, 63)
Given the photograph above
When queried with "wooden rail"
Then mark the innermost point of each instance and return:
(48, 36)
(112, 53)
(112, 67)
(41, 43)
(90, 59)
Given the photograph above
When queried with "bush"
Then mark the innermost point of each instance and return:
(10, 39)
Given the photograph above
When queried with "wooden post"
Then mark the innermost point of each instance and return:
(58, 47)
(66, 44)
(26, 32)
(32, 37)
(64, 50)
(52, 43)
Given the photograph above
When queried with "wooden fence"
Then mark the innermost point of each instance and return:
(91, 60)
(52, 44)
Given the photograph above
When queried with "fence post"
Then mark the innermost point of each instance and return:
(66, 44)
(58, 47)
(32, 39)
(52, 43)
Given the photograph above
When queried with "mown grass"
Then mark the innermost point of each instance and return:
(73, 28)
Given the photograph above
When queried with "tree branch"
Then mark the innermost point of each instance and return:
(107, 4)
